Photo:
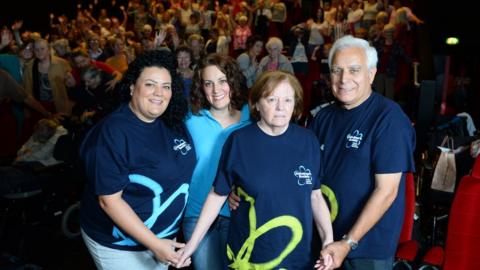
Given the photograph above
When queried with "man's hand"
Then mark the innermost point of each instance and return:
(233, 201)
(338, 250)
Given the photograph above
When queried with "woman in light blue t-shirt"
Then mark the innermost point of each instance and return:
(218, 106)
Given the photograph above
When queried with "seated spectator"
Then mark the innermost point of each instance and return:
(95, 51)
(82, 62)
(275, 60)
(196, 44)
(39, 148)
(47, 78)
(240, 34)
(61, 48)
(184, 69)
(92, 98)
(35, 155)
(9, 88)
(298, 51)
(120, 58)
(248, 62)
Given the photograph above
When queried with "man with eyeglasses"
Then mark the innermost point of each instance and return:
(367, 145)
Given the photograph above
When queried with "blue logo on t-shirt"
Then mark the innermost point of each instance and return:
(354, 140)
(157, 209)
(182, 146)
(304, 176)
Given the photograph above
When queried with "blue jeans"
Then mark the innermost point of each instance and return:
(211, 253)
(367, 264)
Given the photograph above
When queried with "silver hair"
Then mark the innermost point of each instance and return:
(91, 72)
(274, 41)
(353, 42)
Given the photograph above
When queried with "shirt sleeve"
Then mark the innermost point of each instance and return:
(224, 179)
(103, 66)
(317, 181)
(11, 88)
(393, 144)
(104, 163)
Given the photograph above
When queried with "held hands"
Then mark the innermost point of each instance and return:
(325, 262)
(185, 254)
(337, 250)
(164, 251)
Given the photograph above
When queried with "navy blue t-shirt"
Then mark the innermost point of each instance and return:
(151, 164)
(274, 176)
(374, 138)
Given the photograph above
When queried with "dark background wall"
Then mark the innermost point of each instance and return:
(35, 14)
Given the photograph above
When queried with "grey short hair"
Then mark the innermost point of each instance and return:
(274, 41)
(91, 72)
(353, 42)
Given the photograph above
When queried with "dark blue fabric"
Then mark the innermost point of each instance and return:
(279, 174)
(374, 138)
(148, 162)
(187, 85)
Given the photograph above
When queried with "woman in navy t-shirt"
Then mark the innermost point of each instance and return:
(274, 166)
(139, 161)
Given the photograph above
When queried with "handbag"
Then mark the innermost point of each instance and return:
(475, 148)
(445, 172)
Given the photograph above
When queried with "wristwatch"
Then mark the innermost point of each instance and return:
(352, 243)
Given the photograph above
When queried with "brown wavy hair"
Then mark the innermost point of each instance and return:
(265, 85)
(235, 79)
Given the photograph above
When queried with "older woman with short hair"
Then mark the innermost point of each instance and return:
(275, 60)
(274, 166)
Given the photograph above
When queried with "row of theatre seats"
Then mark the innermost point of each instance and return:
(460, 251)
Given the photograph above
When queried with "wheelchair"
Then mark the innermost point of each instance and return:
(49, 202)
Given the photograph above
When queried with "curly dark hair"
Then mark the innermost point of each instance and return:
(235, 78)
(184, 48)
(251, 40)
(177, 108)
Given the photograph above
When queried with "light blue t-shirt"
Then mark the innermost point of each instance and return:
(208, 138)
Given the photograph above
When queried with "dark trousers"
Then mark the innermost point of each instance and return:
(367, 264)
